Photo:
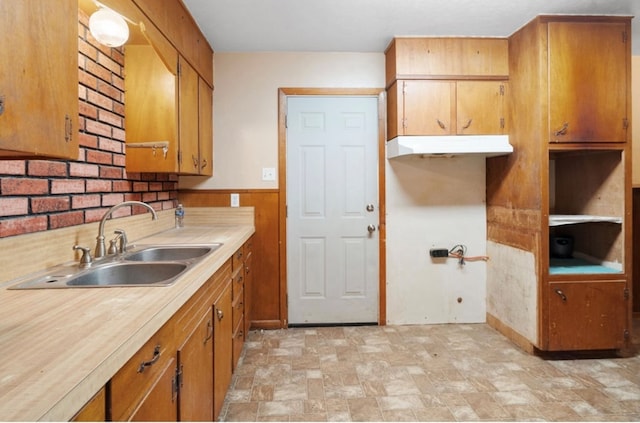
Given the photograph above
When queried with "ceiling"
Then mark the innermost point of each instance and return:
(369, 25)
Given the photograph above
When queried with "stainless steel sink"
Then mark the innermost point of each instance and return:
(144, 265)
(171, 253)
(126, 274)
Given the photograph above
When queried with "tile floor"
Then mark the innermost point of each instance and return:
(464, 372)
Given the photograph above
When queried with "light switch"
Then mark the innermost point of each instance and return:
(268, 174)
(235, 200)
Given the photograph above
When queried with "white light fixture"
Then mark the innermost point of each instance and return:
(108, 27)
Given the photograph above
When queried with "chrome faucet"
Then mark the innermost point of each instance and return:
(100, 244)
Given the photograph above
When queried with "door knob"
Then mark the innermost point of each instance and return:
(371, 228)
(370, 207)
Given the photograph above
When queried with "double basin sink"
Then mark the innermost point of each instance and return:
(143, 265)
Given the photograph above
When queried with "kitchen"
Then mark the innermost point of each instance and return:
(257, 76)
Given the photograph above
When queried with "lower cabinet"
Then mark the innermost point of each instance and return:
(183, 372)
(94, 410)
(590, 315)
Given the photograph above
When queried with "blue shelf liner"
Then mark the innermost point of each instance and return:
(567, 266)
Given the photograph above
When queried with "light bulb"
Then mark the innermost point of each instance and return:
(108, 27)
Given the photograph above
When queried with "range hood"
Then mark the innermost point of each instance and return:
(449, 146)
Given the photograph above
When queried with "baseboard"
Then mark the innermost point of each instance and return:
(267, 324)
(522, 342)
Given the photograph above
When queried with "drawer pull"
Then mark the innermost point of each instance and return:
(440, 124)
(145, 364)
(220, 314)
(563, 130)
(209, 331)
(561, 294)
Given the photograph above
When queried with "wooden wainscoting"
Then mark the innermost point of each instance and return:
(265, 290)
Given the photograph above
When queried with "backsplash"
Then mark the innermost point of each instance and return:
(38, 195)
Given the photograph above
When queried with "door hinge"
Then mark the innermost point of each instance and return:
(180, 157)
(626, 334)
(501, 123)
(625, 123)
(624, 37)
(286, 121)
(404, 123)
(501, 89)
(626, 293)
(179, 67)
(404, 88)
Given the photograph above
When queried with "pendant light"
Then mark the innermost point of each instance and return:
(108, 27)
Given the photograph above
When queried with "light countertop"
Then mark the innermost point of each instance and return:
(58, 347)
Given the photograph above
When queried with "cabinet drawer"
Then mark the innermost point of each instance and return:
(237, 259)
(238, 343)
(238, 309)
(238, 284)
(136, 377)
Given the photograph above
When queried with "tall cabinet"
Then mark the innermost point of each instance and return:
(559, 208)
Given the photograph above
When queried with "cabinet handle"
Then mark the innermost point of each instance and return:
(1, 104)
(219, 313)
(68, 128)
(561, 294)
(468, 124)
(204, 163)
(156, 356)
(195, 161)
(440, 124)
(563, 130)
(209, 331)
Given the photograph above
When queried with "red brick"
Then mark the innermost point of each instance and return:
(109, 63)
(163, 195)
(83, 93)
(110, 91)
(85, 201)
(13, 206)
(98, 70)
(22, 225)
(148, 197)
(83, 170)
(167, 205)
(96, 156)
(130, 196)
(47, 168)
(109, 172)
(140, 186)
(118, 56)
(143, 210)
(155, 186)
(98, 128)
(98, 185)
(119, 160)
(67, 186)
(49, 204)
(88, 140)
(88, 110)
(112, 199)
(121, 186)
(94, 215)
(168, 186)
(87, 49)
(87, 80)
(23, 186)
(63, 220)
(118, 108)
(110, 118)
(12, 167)
(118, 134)
(118, 82)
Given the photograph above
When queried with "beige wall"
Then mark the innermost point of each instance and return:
(246, 107)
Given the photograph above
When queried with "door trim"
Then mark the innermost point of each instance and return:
(283, 94)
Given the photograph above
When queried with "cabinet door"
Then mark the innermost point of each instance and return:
(94, 410)
(39, 78)
(480, 107)
(205, 125)
(587, 315)
(195, 362)
(160, 403)
(588, 64)
(428, 108)
(222, 348)
(188, 123)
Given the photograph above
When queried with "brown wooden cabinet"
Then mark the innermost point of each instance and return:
(39, 80)
(95, 410)
(222, 347)
(430, 107)
(577, 188)
(581, 107)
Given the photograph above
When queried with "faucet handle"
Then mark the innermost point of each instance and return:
(122, 235)
(86, 259)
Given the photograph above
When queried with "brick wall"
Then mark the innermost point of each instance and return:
(36, 195)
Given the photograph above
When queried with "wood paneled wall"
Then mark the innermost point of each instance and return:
(265, 291)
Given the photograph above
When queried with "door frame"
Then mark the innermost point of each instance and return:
(283, 94)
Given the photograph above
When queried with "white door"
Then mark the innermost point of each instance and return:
(332, 210)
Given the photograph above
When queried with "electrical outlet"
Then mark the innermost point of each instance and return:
(439, 252)
(268, 174)
(235, 200)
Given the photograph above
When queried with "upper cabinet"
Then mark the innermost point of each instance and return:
(446, 86)
(168, 90)
(581, 107)
(433, 107)
(39, 79)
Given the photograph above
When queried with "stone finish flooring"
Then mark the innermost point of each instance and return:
(462, 372)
